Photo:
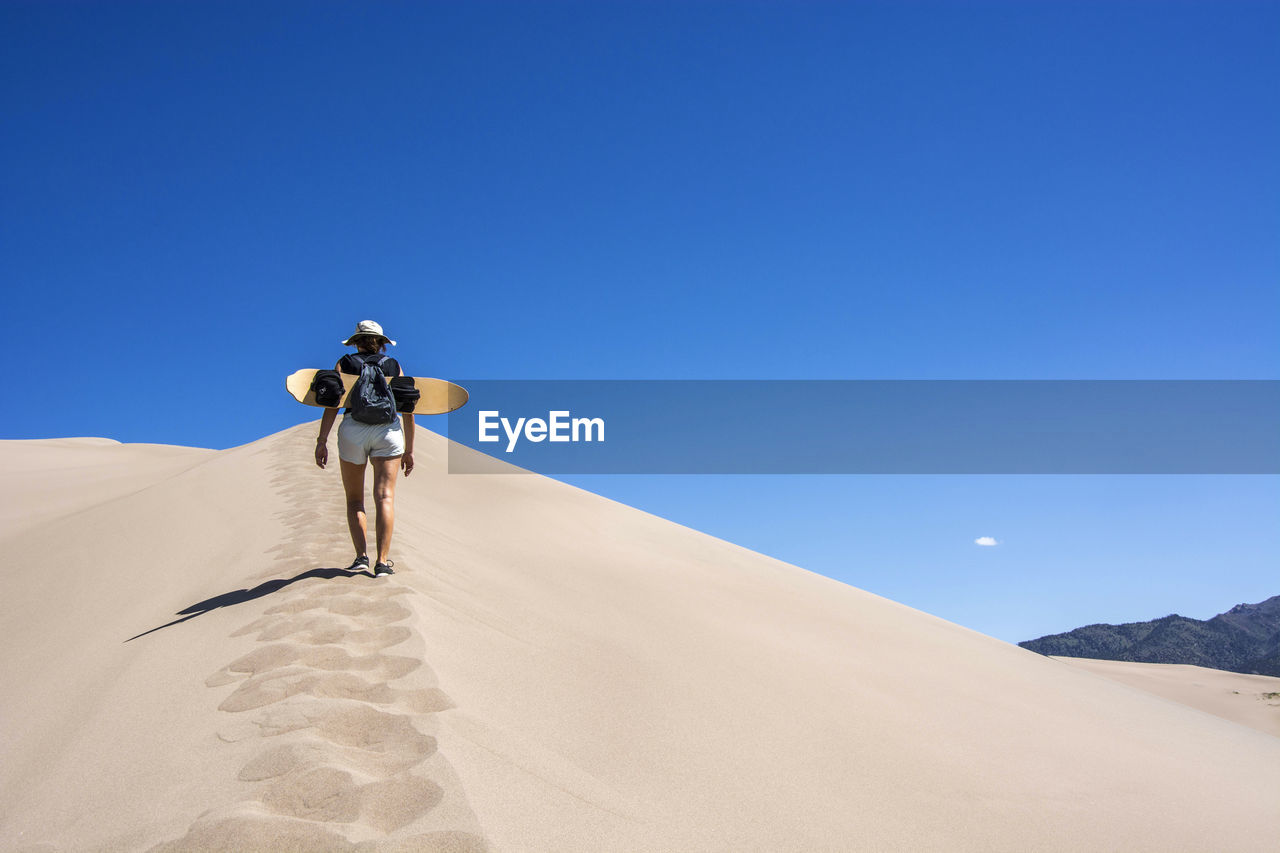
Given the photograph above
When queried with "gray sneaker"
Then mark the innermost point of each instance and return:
(384, 569)
(360, 565)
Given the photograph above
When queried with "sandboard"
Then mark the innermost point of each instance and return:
(438, 396)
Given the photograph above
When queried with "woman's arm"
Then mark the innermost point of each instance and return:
(406, 461)
(322, 442)
(326, 424)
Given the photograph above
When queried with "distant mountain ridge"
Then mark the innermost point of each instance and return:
(1244, 639)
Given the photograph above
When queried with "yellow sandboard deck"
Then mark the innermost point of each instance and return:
(438, 396)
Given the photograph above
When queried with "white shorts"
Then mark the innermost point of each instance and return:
(357, 441)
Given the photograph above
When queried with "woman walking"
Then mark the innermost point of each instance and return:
(387, 447)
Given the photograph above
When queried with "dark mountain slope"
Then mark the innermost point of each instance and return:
(1244, 639)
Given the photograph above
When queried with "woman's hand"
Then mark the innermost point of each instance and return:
(406, 462)
(322, 438)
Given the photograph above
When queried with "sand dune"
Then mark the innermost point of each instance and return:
(188, 669)
(52, 478)
(1251, 700)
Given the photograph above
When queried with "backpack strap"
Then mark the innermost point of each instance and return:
(356, 360)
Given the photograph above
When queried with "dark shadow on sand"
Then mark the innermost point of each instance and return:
(240, 596)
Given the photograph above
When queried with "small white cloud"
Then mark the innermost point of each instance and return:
(985, 540)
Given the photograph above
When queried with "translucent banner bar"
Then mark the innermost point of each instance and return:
(868, 427)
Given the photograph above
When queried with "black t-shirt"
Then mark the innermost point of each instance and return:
(351, 362)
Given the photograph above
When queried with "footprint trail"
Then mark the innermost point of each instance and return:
(333, 709)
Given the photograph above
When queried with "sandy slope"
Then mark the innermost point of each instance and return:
(56, 477)
(1251, 700)
(549, 671)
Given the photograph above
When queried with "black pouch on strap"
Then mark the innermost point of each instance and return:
(406, 394)
(328, 388)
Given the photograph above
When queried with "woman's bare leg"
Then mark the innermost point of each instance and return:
(385, 469)
(353, 485)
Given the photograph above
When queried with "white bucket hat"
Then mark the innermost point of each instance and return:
(367, 327)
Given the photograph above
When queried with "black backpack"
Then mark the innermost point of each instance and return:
(371, 401)
(328, 388)
(406, 393)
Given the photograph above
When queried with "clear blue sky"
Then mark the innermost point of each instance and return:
(213, 194)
